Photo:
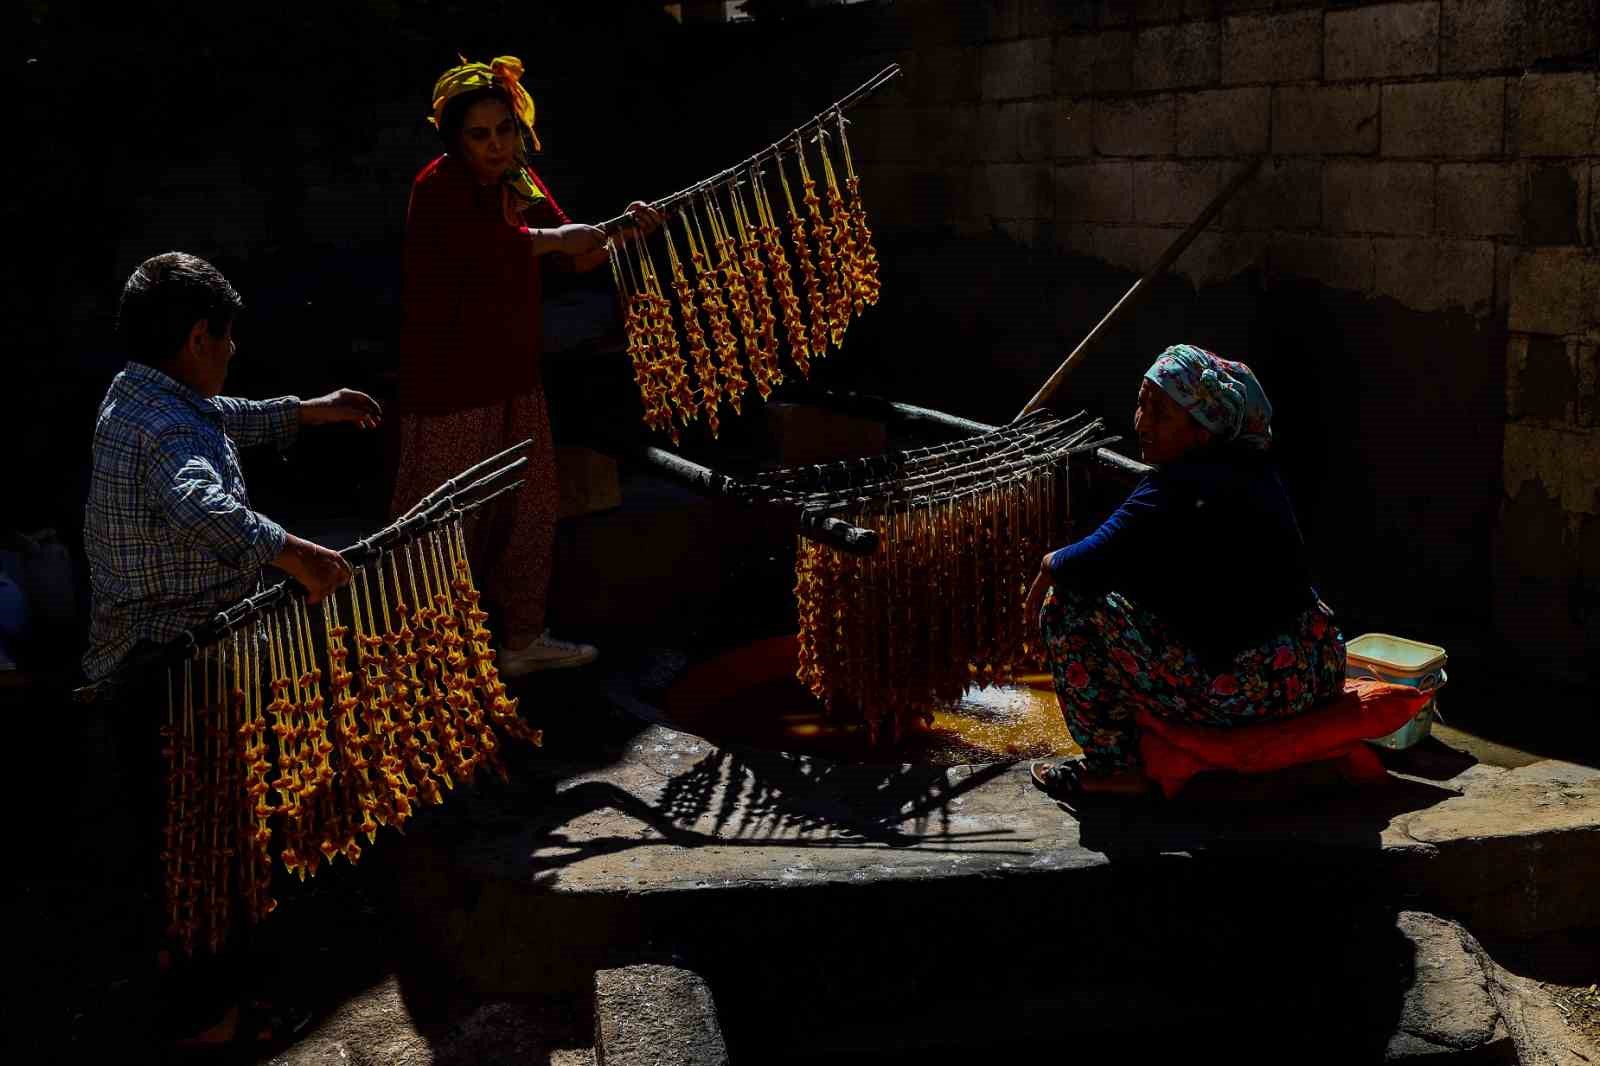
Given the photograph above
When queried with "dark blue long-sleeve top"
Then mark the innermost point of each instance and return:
(1210, 544)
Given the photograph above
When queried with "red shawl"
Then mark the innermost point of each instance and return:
(471, 332)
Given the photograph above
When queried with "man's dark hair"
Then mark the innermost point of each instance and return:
(165, 297)
(455, 113)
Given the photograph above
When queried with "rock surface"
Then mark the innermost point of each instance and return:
(648, 1015)
(1448, 1009)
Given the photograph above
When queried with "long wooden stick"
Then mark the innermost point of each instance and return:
(1129, 298)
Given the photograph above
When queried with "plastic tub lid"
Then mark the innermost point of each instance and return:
(1394, 651)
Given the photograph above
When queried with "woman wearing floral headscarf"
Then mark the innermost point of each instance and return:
(480, 229)
(1193, 600)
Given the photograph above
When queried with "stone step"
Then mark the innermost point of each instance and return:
(647, 1014)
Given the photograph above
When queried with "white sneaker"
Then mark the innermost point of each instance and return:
(544, 653)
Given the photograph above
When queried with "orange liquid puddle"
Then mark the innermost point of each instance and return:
(750, 696)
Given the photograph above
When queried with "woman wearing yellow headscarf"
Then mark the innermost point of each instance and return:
(480, 228)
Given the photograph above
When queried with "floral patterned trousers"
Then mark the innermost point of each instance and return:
(510, 545)
(1109, 658)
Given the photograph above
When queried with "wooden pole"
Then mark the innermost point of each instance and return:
(1129, 298)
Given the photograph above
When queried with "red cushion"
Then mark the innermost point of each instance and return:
(1367, 709)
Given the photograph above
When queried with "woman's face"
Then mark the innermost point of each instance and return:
(488, 139)
(1166, 432)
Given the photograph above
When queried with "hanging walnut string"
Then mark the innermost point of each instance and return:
(864, 275)
(843, 302)
(705, 370)
(938, 607)
(816, 300)
(828, 267)
(782, 279)
(764, 366)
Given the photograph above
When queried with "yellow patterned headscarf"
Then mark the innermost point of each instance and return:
(503, 73)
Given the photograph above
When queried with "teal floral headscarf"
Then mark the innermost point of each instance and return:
(1220, 394)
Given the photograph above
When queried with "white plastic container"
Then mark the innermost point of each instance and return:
(1401, 662)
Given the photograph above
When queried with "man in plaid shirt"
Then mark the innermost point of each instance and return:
(168, 527)
(171, 539)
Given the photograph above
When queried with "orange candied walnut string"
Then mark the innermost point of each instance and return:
(672, 371)
(636, 327)
(734, 283)
(764, 349)
(847, 301)
(866, 274)
(729, 372)
(782, 279)
(828, 265)
(699, 354)
(817, 307)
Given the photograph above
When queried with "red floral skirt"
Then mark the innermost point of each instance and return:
(1109, 657)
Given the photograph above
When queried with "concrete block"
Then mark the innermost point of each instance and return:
(943, 74)
(1215, 257)
(1182, 55)
(1555, 114)
(1325, 119)
(1285, 194)
(586, 482)
(1095, 62)
(1094, 192)
(1555, 203)
(1015, 69)
(1044, 18)
(1586, 360)
(1565, 462)
(647, 1015)
(1554, 290)
(1058, 129)
(1382, 41)
(1339, 262)
(1372, 197)
(993, 20)
(1132, 248)
(1147, 11)
(997, 133)
(1272, 48)
(1478, 34)
(948, 133)
(1477, 199)
(1559, 31)
(1505, 255)
(1027, 232)
(885, 133)
(1436, 275)
(1542, 378)
(1592, 228)
(1169, 193)
(1074, 238)
(1116, 12)
(1230, 7)
(1224, 122)
(1145, 125)
(1444, 118)
(1034, 126)
(1015, 190)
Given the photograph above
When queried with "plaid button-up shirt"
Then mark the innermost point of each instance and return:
(168, 528)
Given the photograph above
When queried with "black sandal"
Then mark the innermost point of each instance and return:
(1063, 782)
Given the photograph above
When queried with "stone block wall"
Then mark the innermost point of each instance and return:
(1434, 158)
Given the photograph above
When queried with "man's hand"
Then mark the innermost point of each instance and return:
(341, 405)
(1037, 592)
(319, 569)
